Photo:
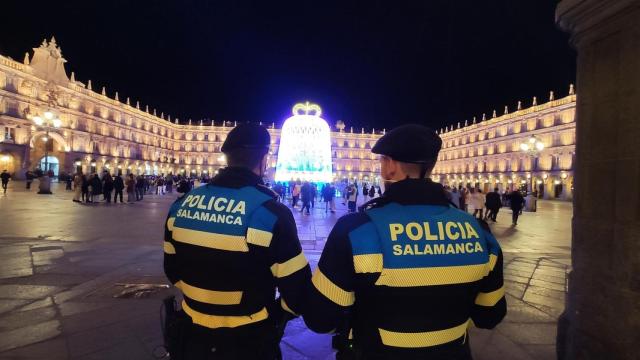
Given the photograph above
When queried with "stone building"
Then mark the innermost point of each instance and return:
(98, 132)
(488, 153)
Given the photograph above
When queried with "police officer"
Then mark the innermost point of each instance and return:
(411, 272)
(228, 246)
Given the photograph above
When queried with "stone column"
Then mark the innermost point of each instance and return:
(602, 316)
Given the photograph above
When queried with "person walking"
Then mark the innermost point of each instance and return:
(516, 202)
(493, 204)
(131, 188)
(139, 188)
(118, 186)
(228, 271)
(306, 193)
(96, 188)
(407, 276)
(29, 176)
(463, 198)
(295, 194)
(85, 188)
(160, 186)
(477, 199)
(352, 197)
(77, 186)
(4, 178)
(328, 195)
(107, 186)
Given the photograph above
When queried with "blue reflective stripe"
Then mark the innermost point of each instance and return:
(415, 252)
(364, 240)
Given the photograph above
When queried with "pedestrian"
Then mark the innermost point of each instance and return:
(160, 186)
(184, 186)
(168, 182)
(516, 202)
(77, 186)
(96, 187)
(107, 186)
(365, 191)
(328, 195)
(476, 203)
(306, 193)
(493, 204)
(463, 198)
(372, 191)
(295, 194)
(69, 181)
(29, 176)
(411, 272)
(229, 270)
(118, 186)
(352, 197)
(131, 188)
(85, 188)
(4, 177)
(139, 188)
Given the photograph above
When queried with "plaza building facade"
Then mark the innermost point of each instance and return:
(97, 132)
(488, 154)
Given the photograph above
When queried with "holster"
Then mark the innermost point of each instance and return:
(175, 328)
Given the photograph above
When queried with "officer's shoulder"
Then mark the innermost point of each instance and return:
(350, 222)
(267, 191)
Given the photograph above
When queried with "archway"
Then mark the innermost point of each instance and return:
(47, 163)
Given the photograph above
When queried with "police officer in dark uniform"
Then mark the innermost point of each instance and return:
(228, 246)
(410, 272)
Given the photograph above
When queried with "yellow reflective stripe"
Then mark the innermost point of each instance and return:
(422, 339)
(442, 275)
(492, 261)
(168, 248)
(369, 263)
(332, 291)
(290, 266)
(170, 222)
(210, 240)
(259, 237)
(210, 296)
(286, 307)
(490, 298)
(216, 321)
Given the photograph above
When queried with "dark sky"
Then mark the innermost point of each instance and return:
(369, 63)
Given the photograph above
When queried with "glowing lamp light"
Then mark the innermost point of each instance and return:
(524, 147)
(78, 163)
(48, 115)
(540, 146)
(5, 158)
(45, 139)
(305, 146)
(57, 122)
(38, 120)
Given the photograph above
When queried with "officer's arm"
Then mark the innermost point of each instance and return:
(332, 293)
(490, 305)
(170, 257)
(289, 266)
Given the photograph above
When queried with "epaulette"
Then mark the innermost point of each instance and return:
(265, 189)
(374, 203)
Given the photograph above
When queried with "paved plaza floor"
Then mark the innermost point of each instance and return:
(85, 281)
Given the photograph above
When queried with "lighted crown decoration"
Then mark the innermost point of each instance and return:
(305, 146)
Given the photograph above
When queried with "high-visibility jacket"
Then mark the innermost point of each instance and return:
(228, 246)
(412, 272)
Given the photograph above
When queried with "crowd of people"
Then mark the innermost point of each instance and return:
(305, 194)
(474, 201)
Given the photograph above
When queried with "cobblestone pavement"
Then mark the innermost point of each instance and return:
(66, 271)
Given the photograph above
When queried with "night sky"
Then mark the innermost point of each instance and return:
(368, 63)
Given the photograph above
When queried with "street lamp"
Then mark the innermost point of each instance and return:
(532, 147)
(48, 122)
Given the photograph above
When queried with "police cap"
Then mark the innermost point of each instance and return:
(411, 143)
(247, 136)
